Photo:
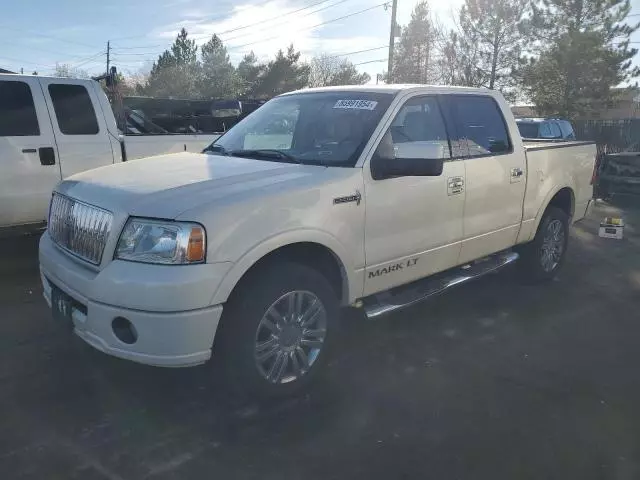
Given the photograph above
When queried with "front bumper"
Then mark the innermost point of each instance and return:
(168, 306)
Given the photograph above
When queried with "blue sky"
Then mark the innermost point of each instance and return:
(76, 31)
(37, 34)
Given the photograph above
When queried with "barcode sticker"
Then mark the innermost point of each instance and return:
(356, 104)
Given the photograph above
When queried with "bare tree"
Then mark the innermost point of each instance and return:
(329, 70)
(67, 71)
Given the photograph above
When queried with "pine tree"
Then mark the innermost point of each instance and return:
(176, 72)
(582, 54)
(218, 76)
(415, 56)
(249, 72)
(490, 36)
(283, 74)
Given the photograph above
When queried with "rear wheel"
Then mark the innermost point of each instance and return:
(277, 329)
(543, 257)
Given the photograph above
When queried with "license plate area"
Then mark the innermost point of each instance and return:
(63, 307)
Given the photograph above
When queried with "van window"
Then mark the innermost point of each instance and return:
(481, 125)
(74, 110)
(18, 116)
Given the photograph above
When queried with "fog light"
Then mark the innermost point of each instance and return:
(124, 330)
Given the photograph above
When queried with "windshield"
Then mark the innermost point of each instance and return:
(528, 129)
(323, 128)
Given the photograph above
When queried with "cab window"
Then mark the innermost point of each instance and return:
(417, 131)
(18, 116)
(480, 126)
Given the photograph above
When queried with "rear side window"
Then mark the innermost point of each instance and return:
(528, 129)
(567, 130)
(555, 130)
(545, 130)
(481, 125)
(18, 116)
(74, 110)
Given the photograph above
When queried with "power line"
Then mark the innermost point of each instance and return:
(145, 54)
(87, 60)
(280, 17)
(210, 19)
(309, 28)
(371, 61)
(25, 61)
(358, 51)
(200, 36)
(38, 34)
(35, 47)
(268, 27)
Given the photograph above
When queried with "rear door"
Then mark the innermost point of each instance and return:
(495, 176)
(78, 124)
(28, 159)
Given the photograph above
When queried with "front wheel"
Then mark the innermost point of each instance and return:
(543, 257)
(277, 329)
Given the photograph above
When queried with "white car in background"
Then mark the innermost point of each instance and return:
(52, 128)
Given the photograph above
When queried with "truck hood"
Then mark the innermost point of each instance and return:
(167, 185)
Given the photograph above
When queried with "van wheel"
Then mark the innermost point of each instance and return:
(276, 330)
(542, 258)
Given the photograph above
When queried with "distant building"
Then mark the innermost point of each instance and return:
(522, 110)
(2, 70)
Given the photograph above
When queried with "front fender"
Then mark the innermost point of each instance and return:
(354, 279)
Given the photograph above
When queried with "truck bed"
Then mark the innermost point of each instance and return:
(551, 164)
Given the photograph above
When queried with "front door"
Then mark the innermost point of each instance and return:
(79, 125)
(495, 175)
(413, 224)
(29, 167)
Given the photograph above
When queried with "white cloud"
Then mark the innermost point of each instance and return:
(264, 37)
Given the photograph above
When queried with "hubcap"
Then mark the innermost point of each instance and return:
(290, 336)
(552, 246)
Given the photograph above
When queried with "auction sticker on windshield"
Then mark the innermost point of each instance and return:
(356, 104)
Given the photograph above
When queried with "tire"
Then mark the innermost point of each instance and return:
(542, 258)
(277, 315)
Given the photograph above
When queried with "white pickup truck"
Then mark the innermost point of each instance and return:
(52, 128)
(371, 196)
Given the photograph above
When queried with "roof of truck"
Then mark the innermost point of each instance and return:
(22, 75)
(392, 88)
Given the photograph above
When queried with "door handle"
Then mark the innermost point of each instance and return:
(47, 156)
(29, 150)
(516, 172)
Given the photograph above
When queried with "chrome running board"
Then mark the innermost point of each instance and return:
(415, 292)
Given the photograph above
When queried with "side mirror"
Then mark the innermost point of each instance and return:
(414, 159)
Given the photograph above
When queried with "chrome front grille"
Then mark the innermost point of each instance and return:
(80, 228)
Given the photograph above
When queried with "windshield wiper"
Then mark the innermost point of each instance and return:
(265, 154)
(213, 148)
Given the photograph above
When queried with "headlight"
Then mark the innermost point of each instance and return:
(164, 242)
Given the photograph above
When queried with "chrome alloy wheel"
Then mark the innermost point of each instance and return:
(552, 245)
(290, 336)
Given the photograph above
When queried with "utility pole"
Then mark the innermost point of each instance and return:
(108, 52)
(392, 38)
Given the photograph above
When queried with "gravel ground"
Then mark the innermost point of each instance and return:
(493, 380)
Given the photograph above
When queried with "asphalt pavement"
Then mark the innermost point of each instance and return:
(493, 380)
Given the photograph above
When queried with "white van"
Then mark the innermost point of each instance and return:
(52, 128)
